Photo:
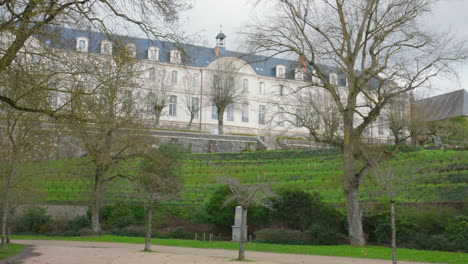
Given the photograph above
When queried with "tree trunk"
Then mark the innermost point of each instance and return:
(351, 191)
(242, 235)
(97, 200)
(5, 205)
(157, 116)
(149, 216)
(392, 216)
(220, 124)
(192, 116)
(221, 120)
(4, 222)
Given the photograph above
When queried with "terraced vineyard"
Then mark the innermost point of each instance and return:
(439, 175)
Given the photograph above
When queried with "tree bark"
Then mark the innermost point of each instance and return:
(220, 124)
(97, 200)
(351, 191)
(4, 222)
(242, 235)
(392, 216)
(149, 217)
(5, 205)
(157, 116)
(191, 120)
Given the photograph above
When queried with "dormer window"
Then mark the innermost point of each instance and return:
(131, 49)
(106, 47)
(280, 71)
(175, 56)
(299, 74)
(333, 79)
(315, 79)
(82, 44)
(153, 53)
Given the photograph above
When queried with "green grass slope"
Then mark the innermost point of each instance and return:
(441, 175)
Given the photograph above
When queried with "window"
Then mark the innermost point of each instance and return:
(153, 53)
(333, 79)
(299, 74)
(131, 49)
(152, 74)
(315, 78)
(245, 86)
(262, 88)
(281, 90)
(299, 115)
(380, 125)
(280, 71)
(261, 114)
(245, 113)
(172, 105)
(230, 112)
(175, 56)
(214, 112)
(106, 47)
(82, 44)
(196, 107)
(174, 77)
(281, 120)
(196, 80)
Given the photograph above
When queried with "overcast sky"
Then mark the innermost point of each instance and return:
(207, 16)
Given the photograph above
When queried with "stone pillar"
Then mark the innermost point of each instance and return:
(236, 228)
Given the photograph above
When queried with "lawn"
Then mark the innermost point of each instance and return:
(341, 251)
(11, 250)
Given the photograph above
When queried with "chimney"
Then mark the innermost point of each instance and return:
(216, 50)
(302, 63)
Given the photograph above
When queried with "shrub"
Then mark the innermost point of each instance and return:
(121, 214)
(78, 223)
(132, 231)
(281, 236)
(321, 234)
(32, 219)
(222, 216)
(297, 209)
(179, 233)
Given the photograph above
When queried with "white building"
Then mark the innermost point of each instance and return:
(266, 82)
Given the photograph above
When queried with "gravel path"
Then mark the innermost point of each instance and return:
(71, 252)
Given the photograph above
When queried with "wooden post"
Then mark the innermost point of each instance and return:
(196, 236)
(204, 237)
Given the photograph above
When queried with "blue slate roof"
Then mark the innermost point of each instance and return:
(197, 56)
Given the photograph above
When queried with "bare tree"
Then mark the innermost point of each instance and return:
(390, 177)
(224, 87)
(24, 20)
(158, 181)
(21, 140)
(315, 111)
(399, 120)
(192, 101)
(246, 196)
(158, 97)
(377, 46)
(104, 116)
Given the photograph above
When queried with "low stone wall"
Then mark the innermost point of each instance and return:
(69, 147)
(59, 212)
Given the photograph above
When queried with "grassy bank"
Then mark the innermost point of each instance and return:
(11, 250)
(341, 251)
(441, 176)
